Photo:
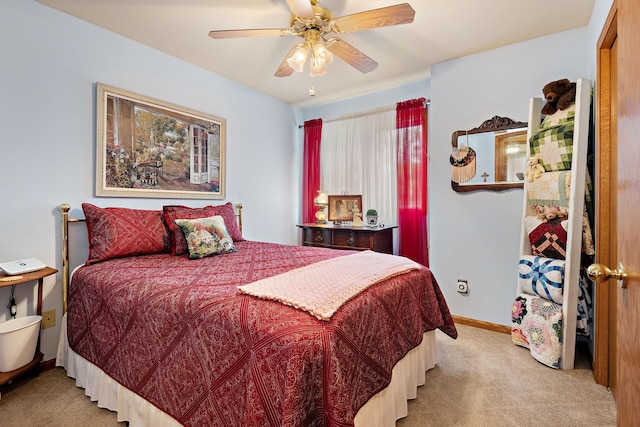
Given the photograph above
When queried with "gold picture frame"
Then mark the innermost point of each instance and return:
(150, 148)
(341, 207)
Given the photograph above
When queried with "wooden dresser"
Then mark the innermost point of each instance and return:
(379, 239)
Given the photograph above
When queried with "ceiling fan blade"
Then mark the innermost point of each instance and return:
(285, 70)
(301, 8)
(265, 32)
(351, 55)
(376, 18)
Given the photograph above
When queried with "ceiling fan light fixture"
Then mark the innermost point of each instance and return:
(298, 57)
(320, 59)
(318, 70)
(321, 53)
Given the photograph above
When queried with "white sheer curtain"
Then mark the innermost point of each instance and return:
(358, 156)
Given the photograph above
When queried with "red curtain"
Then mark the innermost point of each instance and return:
(411, 124)
(311, 168)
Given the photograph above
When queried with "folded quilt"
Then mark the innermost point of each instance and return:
(547, 238)
(551, 189)
(559, 118)
(542, 276)
(322, 288)
(536, 324)
(584, 319)
(553, 142)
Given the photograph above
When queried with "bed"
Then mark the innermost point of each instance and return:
(164, 339)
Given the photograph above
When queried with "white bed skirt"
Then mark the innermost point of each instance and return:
(382, 410)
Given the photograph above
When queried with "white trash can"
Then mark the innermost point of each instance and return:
(18, 341)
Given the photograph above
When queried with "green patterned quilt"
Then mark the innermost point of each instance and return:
(553, 142)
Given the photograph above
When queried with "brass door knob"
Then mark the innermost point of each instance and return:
(599, 273)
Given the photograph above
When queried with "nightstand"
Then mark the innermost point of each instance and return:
(39, 275)
(379, 239)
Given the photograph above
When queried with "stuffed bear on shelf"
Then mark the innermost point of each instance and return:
(559, 94)
(549, 213)
(534, 169)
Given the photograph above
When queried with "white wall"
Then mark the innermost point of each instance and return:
(383, 98)
(49, 65)
(475, 236)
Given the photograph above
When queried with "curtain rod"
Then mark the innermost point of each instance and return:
(363, 113)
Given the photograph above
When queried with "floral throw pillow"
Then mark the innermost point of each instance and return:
(206, 236)
(173, 212)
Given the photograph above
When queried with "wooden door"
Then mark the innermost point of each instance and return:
(628, 201)
(619, 202)
(613, 210)
(604, 367)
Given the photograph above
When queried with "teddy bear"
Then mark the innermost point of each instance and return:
(559, 94)
(548, 213)
(534, 168)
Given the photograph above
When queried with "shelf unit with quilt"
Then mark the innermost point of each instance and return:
(553, 302)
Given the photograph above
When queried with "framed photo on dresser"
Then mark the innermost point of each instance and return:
(341, 207)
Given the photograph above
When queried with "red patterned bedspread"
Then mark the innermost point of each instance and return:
(176, 332)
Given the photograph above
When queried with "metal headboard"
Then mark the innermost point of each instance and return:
(66, 274)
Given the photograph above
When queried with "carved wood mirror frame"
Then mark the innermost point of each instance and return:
(496, 123)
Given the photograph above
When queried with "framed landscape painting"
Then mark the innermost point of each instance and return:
(150, 148)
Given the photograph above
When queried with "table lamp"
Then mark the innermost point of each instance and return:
(321, 201)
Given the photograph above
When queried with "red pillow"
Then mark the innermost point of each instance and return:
(173, 212)
(228, 213)
(121, 232)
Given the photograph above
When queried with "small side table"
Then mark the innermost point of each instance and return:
(39, 275)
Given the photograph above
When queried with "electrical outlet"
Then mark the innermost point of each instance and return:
(463, 286)
(48, 319)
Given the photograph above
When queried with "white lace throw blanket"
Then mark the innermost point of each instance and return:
(322, 288)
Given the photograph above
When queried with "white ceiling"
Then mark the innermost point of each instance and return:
(442, 30)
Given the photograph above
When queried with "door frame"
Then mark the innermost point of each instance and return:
(604, 181)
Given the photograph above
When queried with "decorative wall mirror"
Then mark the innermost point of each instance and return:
(500, 145)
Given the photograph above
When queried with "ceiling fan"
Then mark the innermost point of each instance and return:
(315, 24)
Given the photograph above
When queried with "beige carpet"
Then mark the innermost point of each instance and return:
(481, 380)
